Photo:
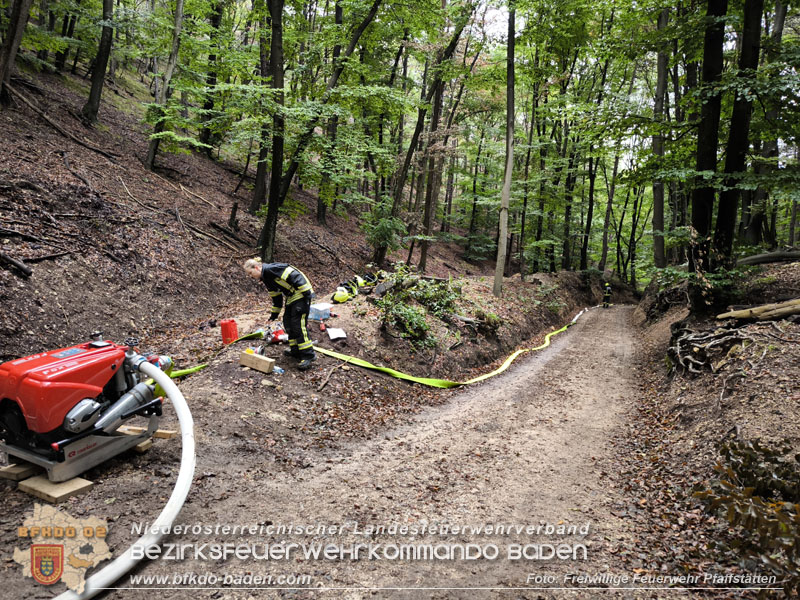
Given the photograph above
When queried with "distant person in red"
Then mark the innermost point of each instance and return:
(285, 280)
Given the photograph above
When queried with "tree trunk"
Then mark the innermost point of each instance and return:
(635, 217)
(8, 52)
(587, 233)
(161, 97)
(569, 187)
(659, 255)
(278, 194)
(214, 20)
(508, 171)
(434, 177)
(92, 106)
(47, 20)
(325, 187)
(260, 187)
(266, 240)
(738, 139)
(304, 140)
(67, 30)
(472, 221)
(521, 242)
(758, 206)
(400, 177)
(611, 186)
(707, 137)
(449, 190)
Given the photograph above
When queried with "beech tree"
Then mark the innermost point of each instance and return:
(89, 111)
(497, 288)
(401, 117)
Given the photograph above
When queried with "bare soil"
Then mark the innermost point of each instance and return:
(530, 447)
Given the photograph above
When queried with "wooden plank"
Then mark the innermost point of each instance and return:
(41, 487)
(143, 447)
(257, 362)
(19, 471)
(164, 434)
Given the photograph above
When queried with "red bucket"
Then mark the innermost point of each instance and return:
(229, 331)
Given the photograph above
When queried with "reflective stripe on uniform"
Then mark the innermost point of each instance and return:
(303, 287)
(286, 272)
(295, 297)
(306, 342)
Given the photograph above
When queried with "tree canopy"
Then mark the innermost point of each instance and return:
(643, 136)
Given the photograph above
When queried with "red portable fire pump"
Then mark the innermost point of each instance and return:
(62, 409)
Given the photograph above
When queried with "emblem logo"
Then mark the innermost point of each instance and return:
(47, 563)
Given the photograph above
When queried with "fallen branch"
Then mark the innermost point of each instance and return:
(178, 216)
(167, 181)
(328, 250)
(36, 259)
(77, 175)
(229, 233)
(188, 191)
(26, 270)
(780, 313)
(19, 234)
(135, 199)
(212, 236)
(328, 378)
(466, 320)
(15, 79)
(57, 127)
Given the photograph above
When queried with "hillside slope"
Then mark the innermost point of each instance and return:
(134, 253)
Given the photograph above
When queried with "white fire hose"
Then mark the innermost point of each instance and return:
(104, 578)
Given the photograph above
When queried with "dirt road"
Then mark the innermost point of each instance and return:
(529, 448)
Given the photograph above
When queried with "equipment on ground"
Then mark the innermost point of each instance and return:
(62, 409)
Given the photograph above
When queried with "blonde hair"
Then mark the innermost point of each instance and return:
(252, 263)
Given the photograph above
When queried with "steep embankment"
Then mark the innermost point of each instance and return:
(115, 247)
(746, 391)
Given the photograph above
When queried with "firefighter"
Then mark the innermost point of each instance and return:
(285, 280)
(607, 295)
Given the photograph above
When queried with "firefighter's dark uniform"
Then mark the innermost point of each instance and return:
(607, 296)
(284, 280)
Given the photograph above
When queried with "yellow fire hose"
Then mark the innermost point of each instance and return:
(429, 381)
(444, 383)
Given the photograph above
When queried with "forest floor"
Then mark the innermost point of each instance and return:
(591, 430)
(529, 447)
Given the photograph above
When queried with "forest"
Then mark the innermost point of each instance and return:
(541, 239)
(546, 135)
